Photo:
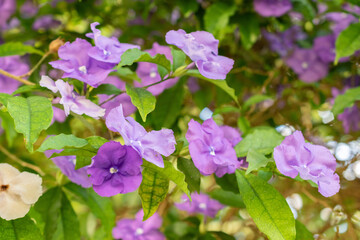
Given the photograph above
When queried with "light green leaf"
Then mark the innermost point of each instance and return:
(348, 42)
(142, 99)
(179, 58)
(152, 191)
(7, 124)
(4, 97)
(302, 233)
(256, 161)
(136, 55)
(17, 48)
(267, 207)
(305, 7)
(19, 229)
(249, 29)
(170, 173)
(254, 100)
(262, 139)
(227, 198)
(108, 89)
(192, 174)
(28, 88)
(187, 6)
(346, 100)
(217, 16)
(126, 74)
(31, 115)
(61, 141)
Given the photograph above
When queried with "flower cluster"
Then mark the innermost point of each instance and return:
(201, 203)
(313, 162)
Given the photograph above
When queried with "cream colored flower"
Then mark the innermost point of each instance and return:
(17, 191)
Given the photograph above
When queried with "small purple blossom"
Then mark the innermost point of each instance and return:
(340, 21)
(313, 162)
(45, 22)
(202, 48)
(8, 8)
(15, 66)
(136, 229)
(115, 169)
(67, 167)
(71, 100)
(307, 64)
(150, 145)
(59, 115)
(210, 150)
(76, 63)
(272, 8)
(29, 9)
(324, 47)
(201, 203)
(106, 49)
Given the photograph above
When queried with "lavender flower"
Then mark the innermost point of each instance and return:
(340, 21)
(307, 65)
(324, 47)
(106, 49)
(29, 9)
(71, 100)
(313, 162)
(148, 72)
(8, 8)
(231, 134)
(272, 8)
(201, 203)
(202, 48)
(115, 169)
(15, 66)
(67, 167)
(150, 145)
(136, 229)
(45, 22)
(76, 63)
(59, 115)
(210, 151)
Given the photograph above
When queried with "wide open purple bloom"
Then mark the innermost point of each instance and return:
(71, 100)
(202, 48)
(67, 167)
(210, 150)
(76, 63)
(107, 49)
(148, 72)
(7, 8)
(272, 8)
(150, 145)
(115, 169)
(201, 203)
(136, 229)
(307, 65)
(15, 66)
(313, 162)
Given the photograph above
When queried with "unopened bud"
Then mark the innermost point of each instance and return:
(55, 45)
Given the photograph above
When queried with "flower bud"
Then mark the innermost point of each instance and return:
(55, 45)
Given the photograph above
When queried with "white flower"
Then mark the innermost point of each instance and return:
(17, 191)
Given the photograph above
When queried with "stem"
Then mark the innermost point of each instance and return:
(36, 66)
(26, 82)
(21, 162)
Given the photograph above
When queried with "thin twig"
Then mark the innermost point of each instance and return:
(314, 199)
(36, 66)
(24, 81)
(21, 162)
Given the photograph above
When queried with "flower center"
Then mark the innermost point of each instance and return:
(4, 188)
(153, 74)
(113, 170)
(106, 53)
(212, 151)
(202, 205)
(304, 65)
(83, 69)
(139, 231)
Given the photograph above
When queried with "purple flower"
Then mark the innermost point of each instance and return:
(340, 21)
(8, 8)
(71, 100)
(15, 66)
(210, 150)
(29, 9)
(45, 22)
(76, 63)
(150, 145)
(115, 169)
(202, 48)
(123, 99)
(231, 134)
(307, 65)
(59, 115)
(272, 8)
(67, 167)
(136, 229)
(324, 47)
(201, 203)
(313, 162)
(148, 72)
(107, 49)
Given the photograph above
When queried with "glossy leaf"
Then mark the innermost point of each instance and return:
(192, 174)
(142, 99)
(348, 41)
(61, 141)
(256, 161)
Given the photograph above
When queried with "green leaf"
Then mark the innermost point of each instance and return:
(187, 6)
(348, 42)
(19, 229)
(17, 48)
(31, 115)
(222, 235)
(125, 73)
(219, 83)
(28, 88)
(346, 100)
(217, 16)
(152, 191)
(61, 141)
(267, 207)
(256, 161)
(228, 182)
(254, 100)
(8, 125)
(136, 55)
(4, 98)
(170, 173)
(305, 7)
(302, 233)
(192, 174)
(58, 215)
(249, 29)
(108, 89)
(179, 58)
(101, 207)
(262, 139)
(142, 99)
(227, 198)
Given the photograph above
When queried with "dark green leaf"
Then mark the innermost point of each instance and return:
(228, 182)
(107, 89)
(192, 174)
(249, 29)
(19, 229)
(254, 100)
(28, 88)
(302, 233)
(227, 198)
(7, 124)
